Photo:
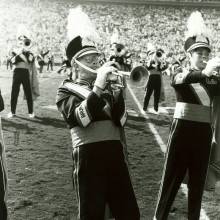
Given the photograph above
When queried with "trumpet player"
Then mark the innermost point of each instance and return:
(155, 67)
(3, 171)
(22, 61)
(189, 141)
(95, 114)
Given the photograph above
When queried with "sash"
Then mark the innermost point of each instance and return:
(23, 57)
(80, 91)
(201, 93)
(41, 57)
(83, 93)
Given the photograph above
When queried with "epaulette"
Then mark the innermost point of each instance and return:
(65, 81)
(69, 86)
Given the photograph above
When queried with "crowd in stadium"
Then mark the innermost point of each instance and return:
(137, 25)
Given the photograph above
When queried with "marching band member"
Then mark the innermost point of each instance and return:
(41, 59)
(120, 54)
(189, 142)
(22, 61)
(95, 114)
(155, 67)
(3, 174)
(65, 69)
(213, 175)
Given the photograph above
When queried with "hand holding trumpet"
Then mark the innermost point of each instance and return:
(212, 67)
(109, 74)
(105, 73)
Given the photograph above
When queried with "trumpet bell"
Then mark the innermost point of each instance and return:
(139, 76)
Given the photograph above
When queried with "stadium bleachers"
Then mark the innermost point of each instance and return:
(137, 24)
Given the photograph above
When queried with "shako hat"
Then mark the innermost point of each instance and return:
(197, 33)
(82, 35)
(23, 35)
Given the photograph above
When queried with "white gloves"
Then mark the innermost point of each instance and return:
(102, 74)
(212, 67)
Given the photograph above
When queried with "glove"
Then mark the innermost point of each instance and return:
(102, 74)
(211, 67)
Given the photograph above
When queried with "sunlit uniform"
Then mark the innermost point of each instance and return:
(21, 75)
(154, 83)
(189, 142)
(3, 174)
(95, 124)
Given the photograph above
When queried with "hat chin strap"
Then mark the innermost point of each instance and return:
(85, 67)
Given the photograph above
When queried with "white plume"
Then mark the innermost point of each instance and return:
(22, 30)
(115, 37)
(151, 47)
(79, 24)
(196, 25)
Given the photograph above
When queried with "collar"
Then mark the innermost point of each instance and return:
(85, 83)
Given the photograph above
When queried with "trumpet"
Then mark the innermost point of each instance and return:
(137, 77)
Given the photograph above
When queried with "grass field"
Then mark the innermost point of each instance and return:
(39, 157)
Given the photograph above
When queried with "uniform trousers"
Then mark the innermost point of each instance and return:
(189, 146)
(101, 177)
(50, 65)
(21, 76)
(3, 183)
(153, 85)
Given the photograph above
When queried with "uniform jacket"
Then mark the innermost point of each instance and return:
(24, 56)
(188, 84)
(159, 66)
(191, 86)
(91, 118)
(2, 106)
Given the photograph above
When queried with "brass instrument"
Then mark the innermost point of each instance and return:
(137, 77)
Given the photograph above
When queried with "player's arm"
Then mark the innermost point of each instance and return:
(77, 111)
(119, 113)
(182, 75)
(2, 106)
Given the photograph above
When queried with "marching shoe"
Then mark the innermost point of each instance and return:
(152, 111)
(11, 115)
(32, 115)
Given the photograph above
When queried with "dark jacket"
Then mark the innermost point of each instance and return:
(107, 107)
(1, 102)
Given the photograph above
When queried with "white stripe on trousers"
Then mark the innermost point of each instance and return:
(165, 165)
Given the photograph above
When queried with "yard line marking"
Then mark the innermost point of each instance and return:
(161, 110)
(162, 145)
(50, 107)
(151, 126)
(169, 107)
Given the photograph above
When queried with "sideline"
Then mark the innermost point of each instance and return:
(203, 215)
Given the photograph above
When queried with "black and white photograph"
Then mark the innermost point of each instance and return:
(109, 109)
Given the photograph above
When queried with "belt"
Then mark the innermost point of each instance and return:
(192, 112)
(22, 65)
(96, 132)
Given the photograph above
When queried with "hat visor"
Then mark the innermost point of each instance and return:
(197, 45)
(86, 51)
(150, 52)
